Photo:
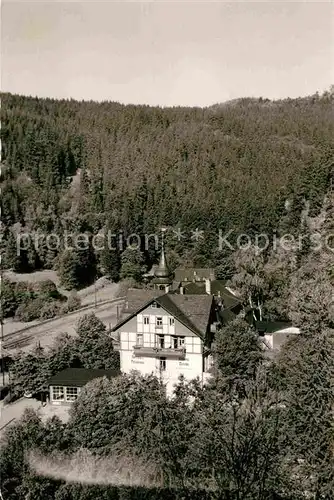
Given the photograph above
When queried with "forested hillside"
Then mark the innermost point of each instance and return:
(230, 166)
(262, 429)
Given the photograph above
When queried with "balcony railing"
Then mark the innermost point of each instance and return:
(164, 352)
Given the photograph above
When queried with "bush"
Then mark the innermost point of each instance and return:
(47, 288)
(22, 287)
(73, 303)
(9, 300)
(30, 310)
(23, 292)
(50, 310)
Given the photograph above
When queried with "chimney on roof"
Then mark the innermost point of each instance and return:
(208, 286)
(181, 290)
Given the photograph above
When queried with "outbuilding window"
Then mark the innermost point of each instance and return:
(58, 393)
(71, 393)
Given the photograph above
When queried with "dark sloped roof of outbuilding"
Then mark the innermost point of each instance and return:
(78, 377)
(271, 326)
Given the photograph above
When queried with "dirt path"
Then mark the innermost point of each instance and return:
(14, 411)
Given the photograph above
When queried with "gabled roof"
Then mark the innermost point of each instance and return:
(218, 288)
(136, 297)
(193, 311)
(78, 377)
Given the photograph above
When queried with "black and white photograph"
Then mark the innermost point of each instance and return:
(167, 250)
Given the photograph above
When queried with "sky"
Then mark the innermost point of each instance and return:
(167, 53)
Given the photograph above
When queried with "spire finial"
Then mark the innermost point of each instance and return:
(163, 230)
(162, 273)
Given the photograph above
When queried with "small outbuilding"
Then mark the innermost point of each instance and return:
(65, 386)
(275, 333)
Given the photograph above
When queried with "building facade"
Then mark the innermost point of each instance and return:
(169, 336)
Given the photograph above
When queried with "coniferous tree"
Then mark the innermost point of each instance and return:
(96, 348)
(110, 263)
(69, 270)
(12, 254)
(132, 260)
(8, 298)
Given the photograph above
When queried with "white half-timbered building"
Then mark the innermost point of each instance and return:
(168, 336)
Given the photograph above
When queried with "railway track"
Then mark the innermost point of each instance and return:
(16, 344)
(23, 337)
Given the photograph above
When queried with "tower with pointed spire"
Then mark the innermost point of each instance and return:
(163, 278)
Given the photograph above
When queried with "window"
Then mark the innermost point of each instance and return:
(146, 320)
(160, 341)
(177, 342)
(139, 339)
(71, 393)
(171, 321)
(58, 393)
(162, 364)
(155, 305)
(158, 321)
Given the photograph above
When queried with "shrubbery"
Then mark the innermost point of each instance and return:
(47, 288)
(23, 291)
(72, 304)
(9, 299)
(30, 301)
(50, 310)
(29, 310)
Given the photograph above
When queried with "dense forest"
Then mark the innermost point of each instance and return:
(262, 429)
(246, 165)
